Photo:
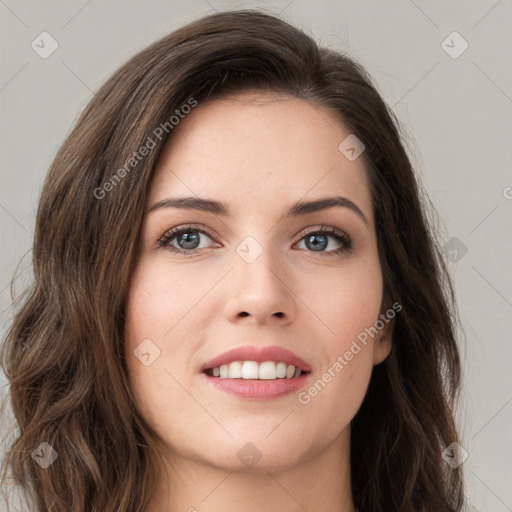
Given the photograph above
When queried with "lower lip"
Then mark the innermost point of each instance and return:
(253, 389)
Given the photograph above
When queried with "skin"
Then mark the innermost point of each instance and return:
(258, 154)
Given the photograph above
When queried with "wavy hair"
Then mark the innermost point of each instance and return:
(63, 352)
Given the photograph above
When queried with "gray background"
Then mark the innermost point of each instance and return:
(456, 113)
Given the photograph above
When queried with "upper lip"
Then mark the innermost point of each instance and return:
(258, 354)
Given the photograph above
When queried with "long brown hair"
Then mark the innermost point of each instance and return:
(63, 354)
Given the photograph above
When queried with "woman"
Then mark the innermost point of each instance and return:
(238, 302)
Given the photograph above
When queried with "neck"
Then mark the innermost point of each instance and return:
(320, 483)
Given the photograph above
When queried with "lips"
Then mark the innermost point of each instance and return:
(259, 355)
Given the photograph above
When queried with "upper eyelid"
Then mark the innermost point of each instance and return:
(321, 227)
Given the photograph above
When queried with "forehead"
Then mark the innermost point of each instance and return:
(259, 147)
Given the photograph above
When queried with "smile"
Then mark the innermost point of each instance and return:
(267, 370)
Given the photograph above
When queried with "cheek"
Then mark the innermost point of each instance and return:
(346, 300)
(346, 304)
(147, 309)
(159, 322)
(156, 299)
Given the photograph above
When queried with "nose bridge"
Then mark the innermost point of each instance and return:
(259, 281)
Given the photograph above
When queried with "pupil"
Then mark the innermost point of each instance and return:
(191, 241)
(316, 246)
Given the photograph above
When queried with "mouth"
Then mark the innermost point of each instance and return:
(257, 373)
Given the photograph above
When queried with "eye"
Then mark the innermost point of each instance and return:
(318, 240)
(185, 239)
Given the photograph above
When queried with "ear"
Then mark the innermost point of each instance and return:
(382, 344)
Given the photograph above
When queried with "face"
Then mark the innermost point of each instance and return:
(258, 276)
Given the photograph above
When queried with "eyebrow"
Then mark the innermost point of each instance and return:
(296, 209)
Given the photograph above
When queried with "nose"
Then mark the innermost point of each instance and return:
(261, 291)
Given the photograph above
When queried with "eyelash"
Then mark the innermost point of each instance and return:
(343, 238)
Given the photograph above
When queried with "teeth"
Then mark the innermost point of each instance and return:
(281, 370)
(249, 370)
(268, 370)
(235, 370)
